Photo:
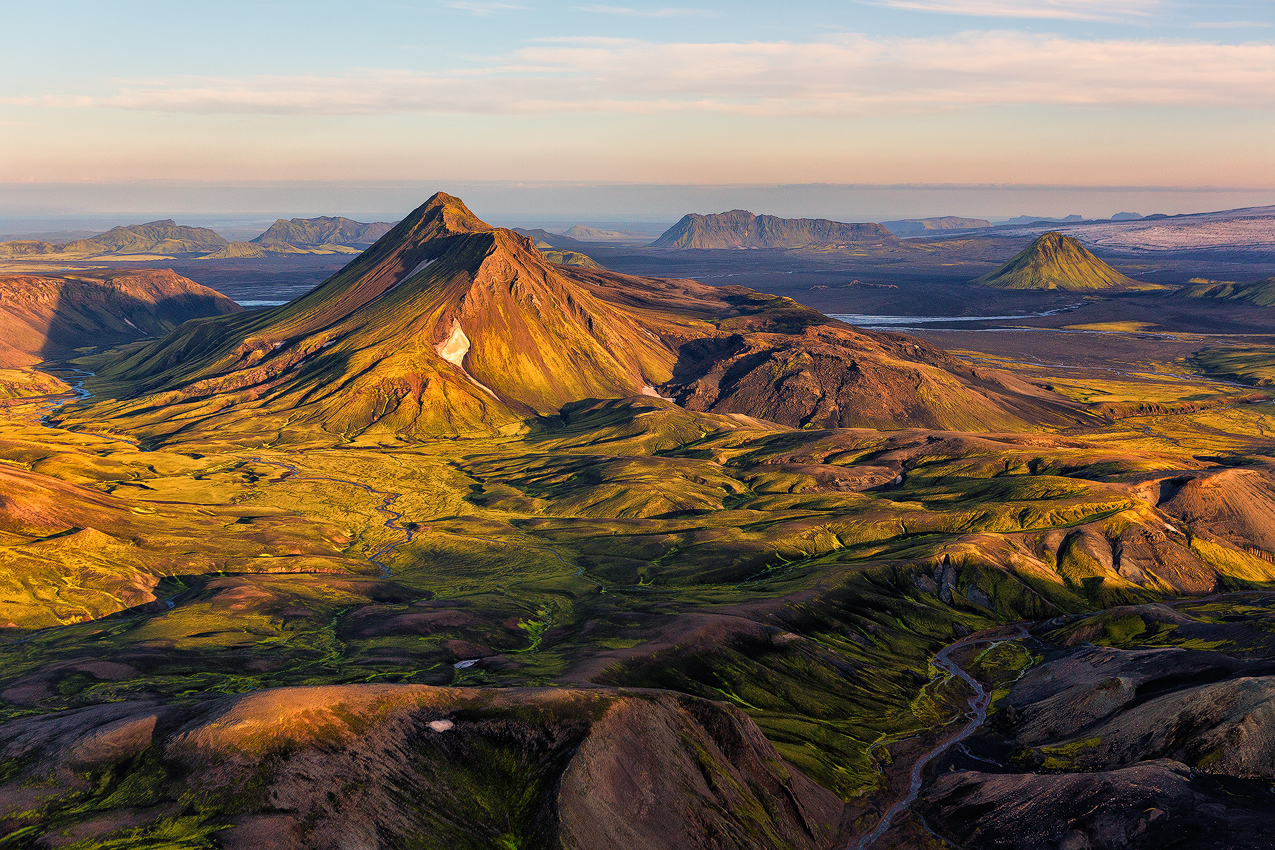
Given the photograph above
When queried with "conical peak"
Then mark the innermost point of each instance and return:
(450, 212)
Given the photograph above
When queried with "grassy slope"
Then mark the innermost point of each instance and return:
(1055, 261)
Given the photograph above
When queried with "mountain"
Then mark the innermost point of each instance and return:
(324, 230)
(164, 237)
(42, 317)
(450, 326)
(570, 258)
(582, 232)
(1033, 219)
(249, 251)
(742, 229)
(26, 248)
(1126, 216)
(1055, 261)
(156, 237)
(554, 240)
(924, 226)
(1260, 292)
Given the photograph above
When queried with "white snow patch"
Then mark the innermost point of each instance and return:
(410, 274)
(466, 664)
(455, 347)
(441, 725)
(649, 390)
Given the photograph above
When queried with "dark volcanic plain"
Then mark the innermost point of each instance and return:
(468, 549)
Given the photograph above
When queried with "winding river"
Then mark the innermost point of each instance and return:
(976, 714)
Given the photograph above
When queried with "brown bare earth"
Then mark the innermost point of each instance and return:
(43, 318)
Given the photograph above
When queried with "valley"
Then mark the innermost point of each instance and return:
(300, 572)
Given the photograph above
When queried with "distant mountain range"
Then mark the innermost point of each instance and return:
(742, 229)
(166, 238)
(1055, 261)
(926, 226)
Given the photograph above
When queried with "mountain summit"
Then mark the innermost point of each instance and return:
(1055, 261)
(742, 229)
(448, 326)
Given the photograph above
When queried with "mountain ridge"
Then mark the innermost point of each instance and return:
(743, 229)
(450, 326)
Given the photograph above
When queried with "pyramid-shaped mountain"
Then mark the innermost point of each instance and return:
(1055, 261)
(449, 326)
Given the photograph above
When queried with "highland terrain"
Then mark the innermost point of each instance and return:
(471, 546)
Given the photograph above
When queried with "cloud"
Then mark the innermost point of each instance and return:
(1074, 10)
(641, 13)
(841, 75)
(1228, 25)
(481, 9)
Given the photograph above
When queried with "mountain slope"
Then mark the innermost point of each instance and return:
(742, 229)
(324, 230)
(46, 316)
(1055, 261)
(448, 326)
(1261, 292)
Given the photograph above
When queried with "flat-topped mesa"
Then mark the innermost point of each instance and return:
(448, 326)
(1058, 262)
(742, 229)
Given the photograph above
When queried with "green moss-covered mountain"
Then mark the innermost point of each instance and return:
(1260, 292)
(324, 230)
(164, 237)
(1055, 261)
(742, 229)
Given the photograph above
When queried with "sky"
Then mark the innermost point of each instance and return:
(854, 108)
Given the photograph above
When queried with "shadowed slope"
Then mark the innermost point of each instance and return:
(1055, 261)
(43, 317)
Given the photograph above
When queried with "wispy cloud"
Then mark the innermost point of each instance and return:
(480, 8)
(642, 13)
(1228, 25)
(841, 75)
(1075, 10)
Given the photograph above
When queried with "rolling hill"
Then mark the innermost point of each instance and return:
(1260, 292)
(742, 229)
(42, 317)
(450, 326)
(1055, 261)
